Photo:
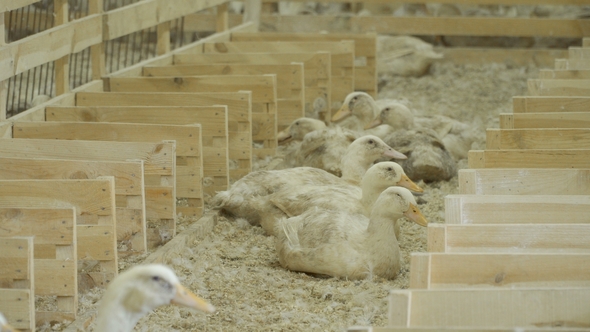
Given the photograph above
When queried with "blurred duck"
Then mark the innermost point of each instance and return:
(357, 111)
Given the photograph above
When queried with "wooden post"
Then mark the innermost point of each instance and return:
(222, 20)
(3, 84)
(97, 51)
(62, 65)
(252, 12)
(163, 45)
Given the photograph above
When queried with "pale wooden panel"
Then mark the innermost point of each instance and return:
(54, 231)
(18, 308)
(558, 87)
(529, 181)
(317, 73)
(239, 110)
(264, 98)
(522, 57)
(6, 5)
(456, 328)
(545, 120)
(559, 237)
(471, 2)
(214, 127)
(94, 201)
(503, 139)
(129, 188)
(572, 64)
(564, 74)
(491, 308)
(159, 162)
(465, 270)
(542, 104)
(16, 260)
(516, 209)
(572, 158)
(189, 163)
(290, 83)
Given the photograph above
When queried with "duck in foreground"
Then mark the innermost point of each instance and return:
(4, 326)
(344, 245)
(138, 291)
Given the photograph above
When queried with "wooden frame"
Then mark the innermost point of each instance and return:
(549, 138)
(455, 328)
(545, 120)
(531, 158)
(558, 87)
(543, 104)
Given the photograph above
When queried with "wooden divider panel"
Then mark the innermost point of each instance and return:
(549, 138)
(129, 188)
(559, 237)
(572, 64)
(365, 51)
(214, 131)
(54, 231)
(239, 107)
(290, 83)
(551, 104)
(264, 98)
(189, 160)
(564, 74)
(531, 158)
(578, 53)
(545, 120)
(490, 308)
(516, 209)
(529, 181)
(558, 87)
(456, 329)
(94, 201)
(317, 72)
(460, 270)
(17, 285)
(159, 162)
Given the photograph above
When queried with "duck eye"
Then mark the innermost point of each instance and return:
(386, 109)
(297, 123)
(390, 169)
(156, 278)
(371, 141)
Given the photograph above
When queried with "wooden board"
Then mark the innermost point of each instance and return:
(159, 160)
(317, 73)
(510, 270)
(564, 74)
(365, 51)
(531, 158)
(94, 201)
(572, 64)
(545, 120)
(491, 308)
(456, 328)
(214, 131)
(529, 181)
(129, 188)
(558, 87)
(559, 237)
(290, 83)
(263, 88)
(189, 159)
(516, 209)
(17, 289)
(55, 273)
(543, 104)
(550, 138)
(239, 107)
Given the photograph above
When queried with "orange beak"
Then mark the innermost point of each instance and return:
(186, 298)
(343, 112)
(283, 135)
(374, 123)
(407, 183)
(415, 215)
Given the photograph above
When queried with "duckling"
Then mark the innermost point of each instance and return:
(340, 244)
(343, 197)
(358, 110)
(4, 326)
(360, 155)
(138, 291)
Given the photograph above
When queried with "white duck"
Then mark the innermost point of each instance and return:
(352, 246)
(138, 291)
(361, 154)
(357, 111)
(299, 128)
(343, 197)
(4, 326)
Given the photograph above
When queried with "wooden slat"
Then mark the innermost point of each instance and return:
(214, 126)
(550, 104)
(490, 308)
(558, 87)
(550, 138)
(542, 57)
(159, 160)
(564, 74)
(516, 209)
(470, 2)
(530, 181)
(239, 111)
(129, 188)
(557, 237)
(189, 160)
(54, 231)
(6, 5)
(572, 158)
(18, 285)
(545, 120)
(457, 328)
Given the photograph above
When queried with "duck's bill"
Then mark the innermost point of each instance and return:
(7, 328)
(284, 136)
(391, 153)
(415, 215)
(343, 112)
(374, 123)
(186, 298)
(409, 184)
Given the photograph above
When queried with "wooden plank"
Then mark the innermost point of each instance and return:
(571, 158)
(290, 83)
(317, 73)
(513, 270)
(239, 110)
(7, 5)
(129, 188)
(159, 161)
(189, 160)
(564, 74)
(543, 104)
(558, 87)
(545, 120)
(519, 57)
(529, 181)
(490, 308)
(516, 209)
(264, 98)
(54, 231)
(94, 200)
(18, 285)
(572, 64)
(549, 138)
(558, 237)
(469, 2)
(456, 328)
(214, 126)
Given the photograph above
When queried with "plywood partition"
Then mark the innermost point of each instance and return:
(546, 138)
(545, 120)
(551, 104)
(558, 87)
(457, 329)
(564, 74)
(531, 158)
(54, 231)
(18, 285)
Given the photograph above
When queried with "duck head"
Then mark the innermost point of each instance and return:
(359, 105)
(398, 202)
(299, 128)
(388, 173)
(394, 114)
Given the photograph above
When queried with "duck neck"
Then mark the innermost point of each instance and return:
(116, 319)
(382, 243)
(370, 193)
(353, 169)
